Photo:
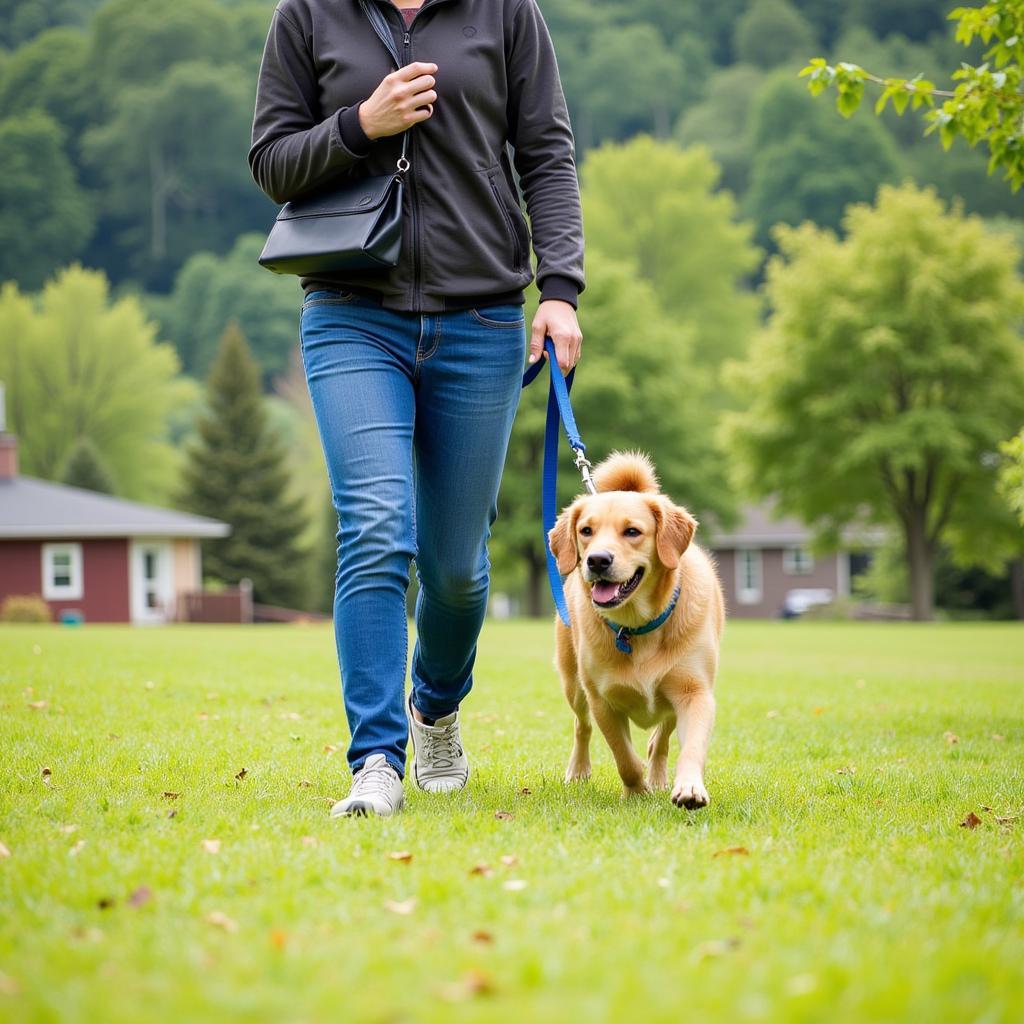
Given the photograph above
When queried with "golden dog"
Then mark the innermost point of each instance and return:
(632, 548)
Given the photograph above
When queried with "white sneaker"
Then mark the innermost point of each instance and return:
(376, 789)
(439, 763)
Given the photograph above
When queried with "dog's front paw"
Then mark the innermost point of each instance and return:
(578, 771)
(657, 776)
(690, 794)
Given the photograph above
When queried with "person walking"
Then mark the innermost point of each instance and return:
(414, 371)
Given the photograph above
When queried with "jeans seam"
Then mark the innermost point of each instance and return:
(434, 342)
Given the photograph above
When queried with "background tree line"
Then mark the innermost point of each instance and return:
(123, 131)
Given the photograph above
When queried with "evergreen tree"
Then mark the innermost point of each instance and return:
(237, 473)
(85, 468)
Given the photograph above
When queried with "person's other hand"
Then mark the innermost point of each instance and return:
(558, 319)
(403, 98)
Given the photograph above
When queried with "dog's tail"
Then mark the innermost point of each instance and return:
(626, 471)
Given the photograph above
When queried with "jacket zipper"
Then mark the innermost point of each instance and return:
(517, 249)
(413, 195)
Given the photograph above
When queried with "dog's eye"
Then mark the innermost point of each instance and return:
(631, 531)
(586, 531)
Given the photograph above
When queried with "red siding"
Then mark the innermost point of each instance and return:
(105, 580)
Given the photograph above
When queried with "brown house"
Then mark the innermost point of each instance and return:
(768, 570)
(94, 556)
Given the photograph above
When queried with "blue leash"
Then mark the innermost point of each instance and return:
(558, 408)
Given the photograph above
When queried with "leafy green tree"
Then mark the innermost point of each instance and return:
(889, 371)
(238, 472)
(84, 467)
(76, 363)
(722, 122)
(633, 83)
(210, 290)
(169, 159)
(1011, 474)
(808, 165)
(656, 206)
(637, 386)
(45, 217)
(987, 104)
(52, 73)
(773, 32)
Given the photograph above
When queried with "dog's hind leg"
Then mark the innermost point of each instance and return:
(578, 769)
(657, 755)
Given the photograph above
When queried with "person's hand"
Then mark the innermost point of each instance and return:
(403, 98)
(558, 319)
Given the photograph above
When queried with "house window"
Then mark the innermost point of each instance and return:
(797, 562)
(62, 572)
(749, 588)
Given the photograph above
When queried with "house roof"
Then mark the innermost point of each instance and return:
(38, 508)
(760, 527)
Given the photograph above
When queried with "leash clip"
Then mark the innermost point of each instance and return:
(583, 464)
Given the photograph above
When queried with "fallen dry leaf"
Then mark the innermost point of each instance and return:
(87, 934)
(9, 986)
(950, 737)
(510, 860)
(68, 829)
(172, 813)
(202, 716)
(168, 795)
(221, 920)
(289, 716)
(400, 855)
(241, 775)
(46, 773)
(278, 938)
(515, 884)
(4, 852)
(140, 897)
(820, 711)
(304, 783)
(526, 791)
(732, 851)
(483, 869)
(846, 770)
(483, 936)
(37, 705)
(504, 815)
(106, 902)
(1007, 819)
(311, 841)
(402, 907)
(971, 821)
(330, 748)
(474, 983)
(211, 845)
(77, 848)
(998, 737)
(772, 714)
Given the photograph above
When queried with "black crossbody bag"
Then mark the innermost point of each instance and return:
(352, 226)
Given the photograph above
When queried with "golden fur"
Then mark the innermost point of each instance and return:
(667, 682)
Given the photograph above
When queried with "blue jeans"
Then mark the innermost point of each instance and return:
(414, 413)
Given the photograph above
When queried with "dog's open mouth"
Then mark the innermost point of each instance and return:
(609, 593)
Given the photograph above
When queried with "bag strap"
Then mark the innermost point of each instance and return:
(380, 26)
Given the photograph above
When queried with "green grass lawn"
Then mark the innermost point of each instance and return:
(844, 759)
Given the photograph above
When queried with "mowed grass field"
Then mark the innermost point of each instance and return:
(167, 853)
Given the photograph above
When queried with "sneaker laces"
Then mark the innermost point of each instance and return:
(372, 780)
(441, 745)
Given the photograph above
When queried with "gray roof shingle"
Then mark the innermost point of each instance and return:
(38, 508)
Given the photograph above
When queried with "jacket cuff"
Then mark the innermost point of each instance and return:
(351, 131)
(563, 288)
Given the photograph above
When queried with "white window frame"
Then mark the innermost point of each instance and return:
(749, 594)
(71, 591)
(797, 561)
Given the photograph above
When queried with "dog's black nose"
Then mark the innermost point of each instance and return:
(599, 561)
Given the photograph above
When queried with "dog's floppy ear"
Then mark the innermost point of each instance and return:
(562, 538)
(675, 528)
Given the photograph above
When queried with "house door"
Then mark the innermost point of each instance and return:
(152, 585)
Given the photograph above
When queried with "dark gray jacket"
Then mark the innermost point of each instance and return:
(465, 241)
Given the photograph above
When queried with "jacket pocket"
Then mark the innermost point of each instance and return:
(515, 224)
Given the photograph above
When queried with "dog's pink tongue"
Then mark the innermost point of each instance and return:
(604, 591)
